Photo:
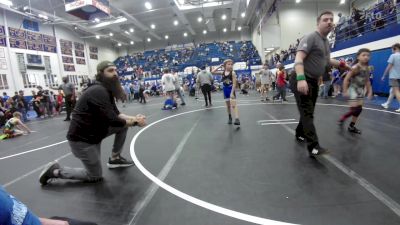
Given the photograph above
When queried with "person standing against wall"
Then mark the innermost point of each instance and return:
(69, 96)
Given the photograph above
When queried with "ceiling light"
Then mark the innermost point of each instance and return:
(176, 22)
(132, 42)
(120, 20)
(131, 30)
(342, 2)
(119, 44)
(223, 17)
(200, 19)
(96, 20)
(204, 31)
(270, 49)
(185, 34)
(97, 36)
(181, 2)
(267, 51)
(166, 37)
(75, 27)
(148, 39)
(243, 14)
(41, 16)
(239, 28)
(148, 5)
(111, 34)
(6, 2)
(153, 26)
(298, 1)
(126, 32)
(103, 24)
(224, 30)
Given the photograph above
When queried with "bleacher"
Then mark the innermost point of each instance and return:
(188, 55)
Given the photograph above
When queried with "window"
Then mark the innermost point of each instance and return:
(3, 81)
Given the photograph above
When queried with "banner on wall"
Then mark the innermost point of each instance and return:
(2, 31)
(3, 41)
(35, 37)
(79, 54)
(65, 43)
(17, 33)
(93, 49)
(94, 56)
(66, 51)
(35, 46)
(15, 43)
(47, 39)
(79, 46)
(66, 59)
(49, 48)
(68, 67)
(80, 61)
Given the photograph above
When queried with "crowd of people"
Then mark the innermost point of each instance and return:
(96, 115)
(359, 22)
(190, 55)
(376, 17)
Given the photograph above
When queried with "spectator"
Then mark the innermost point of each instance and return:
(359, 19)
(19, 104)
(36, 104)
(44, 101)
(68, 89)
(168, 81)
(12, 212)
(5, 96)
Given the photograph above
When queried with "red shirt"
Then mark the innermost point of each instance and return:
(59, 98)
(281, 80)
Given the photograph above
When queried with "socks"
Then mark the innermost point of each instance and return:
(230, 116)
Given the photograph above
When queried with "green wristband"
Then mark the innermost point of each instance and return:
(300, 77)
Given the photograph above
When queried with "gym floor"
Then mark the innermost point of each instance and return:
(209, 172)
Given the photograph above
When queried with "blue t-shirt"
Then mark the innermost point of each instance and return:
(394, 59)
(14, 212)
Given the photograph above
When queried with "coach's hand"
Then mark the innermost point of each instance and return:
(302, 87)
(140, 120)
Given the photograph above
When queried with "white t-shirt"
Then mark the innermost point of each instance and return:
(266, 76)
(177, 83)
(394, 59)
(168, 80)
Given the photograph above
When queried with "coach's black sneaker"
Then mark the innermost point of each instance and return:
(354, 129)
(237, 122)
(318, 150)
(119, 162)
(48, 173)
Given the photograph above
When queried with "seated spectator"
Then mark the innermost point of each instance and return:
(13, 212)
